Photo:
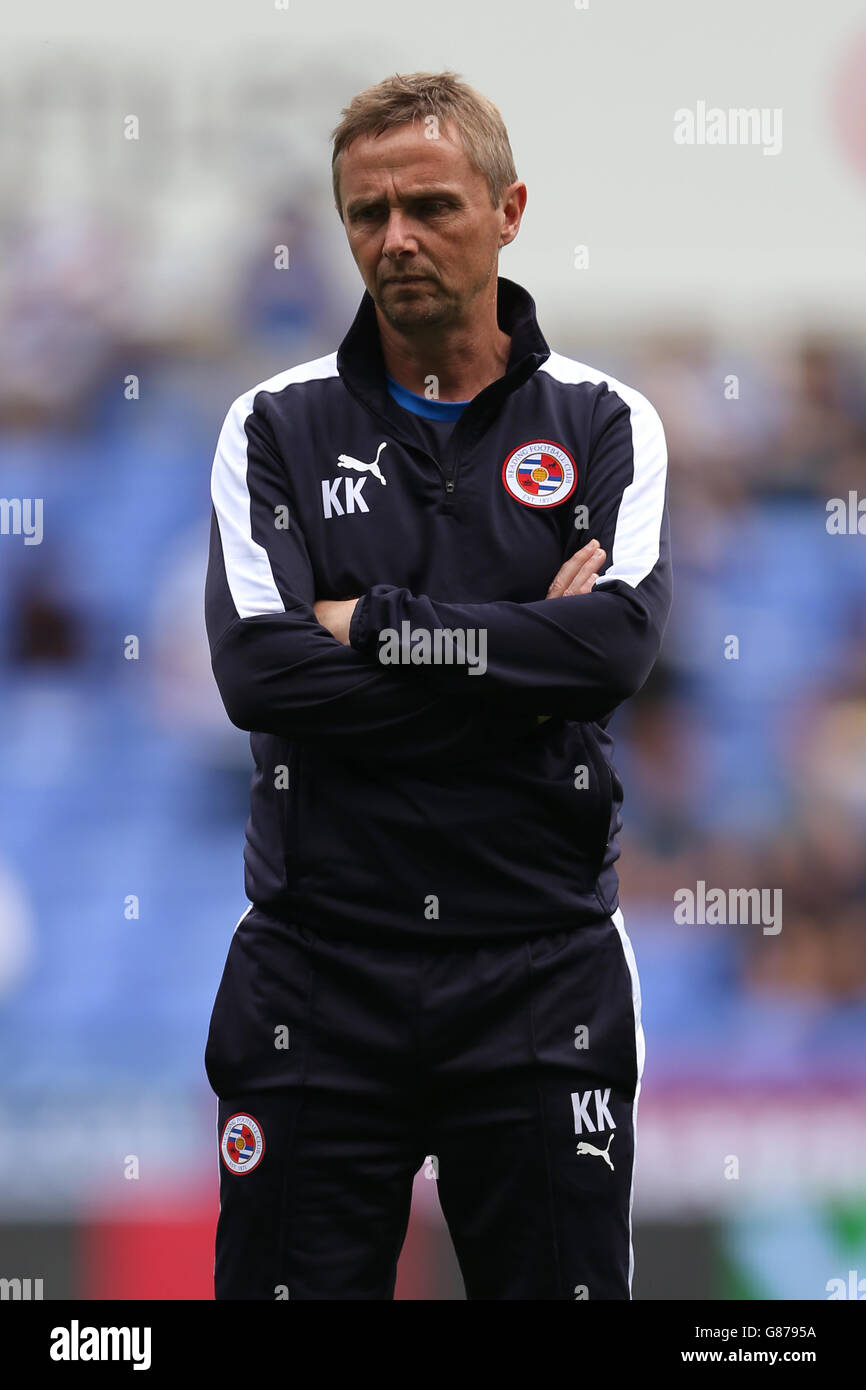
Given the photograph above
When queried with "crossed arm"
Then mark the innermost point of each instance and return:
(577, 653)
(576, 576)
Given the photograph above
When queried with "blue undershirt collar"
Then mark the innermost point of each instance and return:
(420, 405)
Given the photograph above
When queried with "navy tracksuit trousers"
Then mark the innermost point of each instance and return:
(340, 1064)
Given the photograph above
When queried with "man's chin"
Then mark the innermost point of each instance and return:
(417, 310)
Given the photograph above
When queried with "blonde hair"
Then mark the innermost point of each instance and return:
(402, 98)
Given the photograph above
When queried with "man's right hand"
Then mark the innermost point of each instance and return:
(578, 574)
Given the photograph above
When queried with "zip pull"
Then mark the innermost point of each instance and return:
(449, 484)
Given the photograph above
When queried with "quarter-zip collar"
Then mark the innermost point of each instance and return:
(361, 364)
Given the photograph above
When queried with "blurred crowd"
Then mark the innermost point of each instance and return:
(123, 788)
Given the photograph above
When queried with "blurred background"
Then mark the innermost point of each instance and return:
(150, 164)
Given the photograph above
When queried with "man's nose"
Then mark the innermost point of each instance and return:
(399, 234)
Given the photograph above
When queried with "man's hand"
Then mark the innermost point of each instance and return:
(336, 615)
(578, 574)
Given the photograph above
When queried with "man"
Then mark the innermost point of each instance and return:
(439, 561)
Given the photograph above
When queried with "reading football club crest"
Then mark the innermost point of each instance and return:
(540, 474)
(242, 1144)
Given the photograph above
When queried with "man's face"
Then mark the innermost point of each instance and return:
(420, 224)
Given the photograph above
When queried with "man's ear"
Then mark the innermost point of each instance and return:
(513, 205)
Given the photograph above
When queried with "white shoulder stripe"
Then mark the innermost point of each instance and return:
(637, 536)
(247, 563)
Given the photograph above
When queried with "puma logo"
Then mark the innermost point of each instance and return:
(584, 1148)
(346, 461)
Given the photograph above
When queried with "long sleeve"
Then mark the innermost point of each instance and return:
(577, 657)
(277, 669)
